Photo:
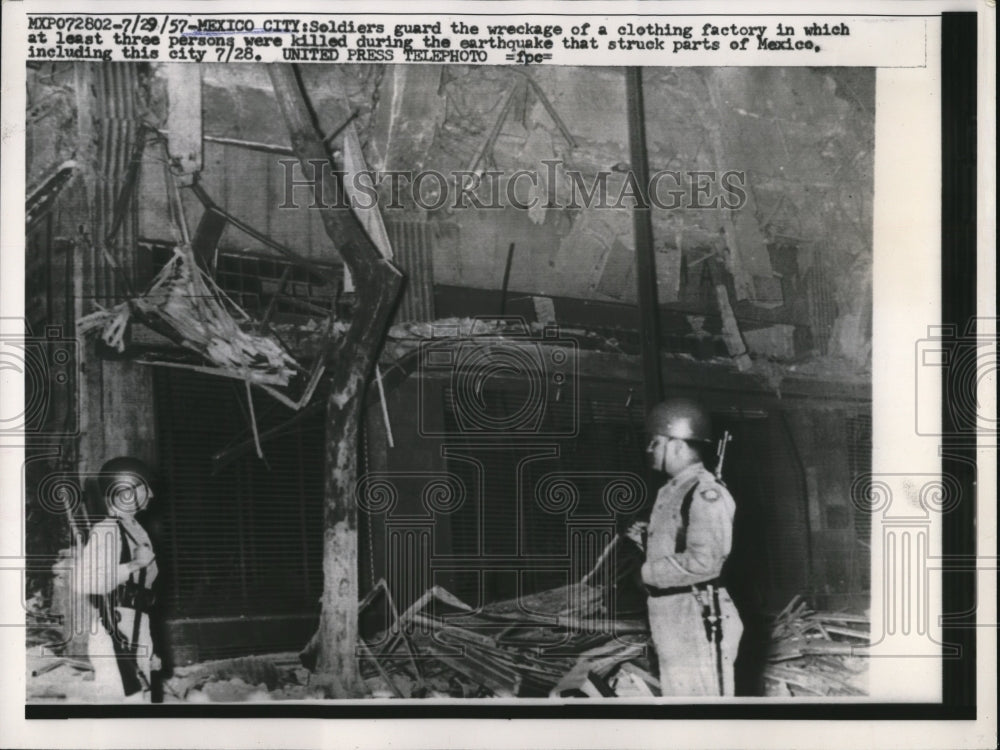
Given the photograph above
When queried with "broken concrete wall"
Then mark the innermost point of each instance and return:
(50, 121)
(90, 115)
(796, 144)
(263, 186)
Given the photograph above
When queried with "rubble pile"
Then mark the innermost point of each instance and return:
(556, 643)
(246, 679)
(559, 643)
(817, 653)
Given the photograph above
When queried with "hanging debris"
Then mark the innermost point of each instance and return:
(192, 307)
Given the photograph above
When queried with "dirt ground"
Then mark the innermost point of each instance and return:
(251, 679)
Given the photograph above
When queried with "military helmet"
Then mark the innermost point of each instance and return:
(119, 478)
(681, 418)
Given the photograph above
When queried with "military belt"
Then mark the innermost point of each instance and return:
(655, 592)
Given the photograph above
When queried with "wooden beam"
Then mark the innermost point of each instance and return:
(184, 134)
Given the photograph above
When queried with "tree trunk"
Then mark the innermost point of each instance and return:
(338, 620)
(378, 284)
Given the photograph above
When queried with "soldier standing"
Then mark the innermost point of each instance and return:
(694, 623)
(117, 571)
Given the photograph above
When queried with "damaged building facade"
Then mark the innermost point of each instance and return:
(501, 446)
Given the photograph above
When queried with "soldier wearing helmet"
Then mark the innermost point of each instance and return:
(117, 571)
(695, 626)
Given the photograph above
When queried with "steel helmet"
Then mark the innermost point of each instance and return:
(681, 418)
(119, 478)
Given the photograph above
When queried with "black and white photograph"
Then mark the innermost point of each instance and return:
(368, 367)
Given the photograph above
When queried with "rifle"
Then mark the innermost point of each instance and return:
(136, 597)
(720, 453)
(133, 678)
(712, 615)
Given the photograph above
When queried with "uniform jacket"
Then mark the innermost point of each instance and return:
(706, 540)
(101, 571)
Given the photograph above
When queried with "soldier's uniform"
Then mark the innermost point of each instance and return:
(116, 571)
(689, 536)
(102, 574)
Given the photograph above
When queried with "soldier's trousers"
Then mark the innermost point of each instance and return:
(687, 658)
(101, 652)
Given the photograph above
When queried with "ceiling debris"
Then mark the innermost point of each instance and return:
(187, 306)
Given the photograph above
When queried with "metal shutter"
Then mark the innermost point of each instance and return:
(248, 540)
(509, 516)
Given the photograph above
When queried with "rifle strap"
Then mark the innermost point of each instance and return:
(137, 619)
(124, 551)
(680, 542)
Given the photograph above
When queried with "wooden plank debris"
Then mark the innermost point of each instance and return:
(813, 653)
(548, 644)
(597, 662)
(367, 653)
